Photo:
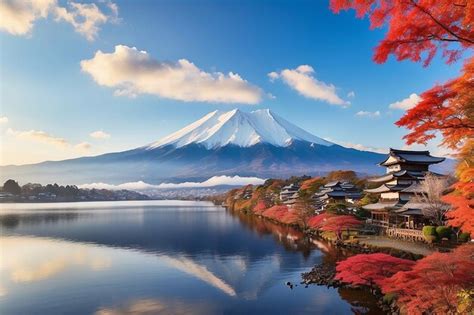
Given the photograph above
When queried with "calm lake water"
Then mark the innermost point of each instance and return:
(159, 257)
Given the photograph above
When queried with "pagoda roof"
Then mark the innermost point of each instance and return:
(411, 157)
(414, 188)
(413, 205)
(382, 205)
(386, 188)
(402, 173)
(337, 193)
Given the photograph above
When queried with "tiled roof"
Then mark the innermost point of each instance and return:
(415, 157)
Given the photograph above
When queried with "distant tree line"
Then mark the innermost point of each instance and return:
(55, 192)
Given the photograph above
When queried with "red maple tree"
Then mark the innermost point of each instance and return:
(370, 269)
(339, 223)
(417, 29)
(317, 221)
(281, 214)
(462, 199)
(434, 283)
(260, 206)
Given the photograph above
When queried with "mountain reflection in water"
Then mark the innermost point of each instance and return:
(156, 258)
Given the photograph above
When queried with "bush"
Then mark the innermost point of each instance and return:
(443, 231)
(464, 237)
(429, 232)
(361, 213)
(389, 297)
(336, 208)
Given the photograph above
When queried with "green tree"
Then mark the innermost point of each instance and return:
(12, 187)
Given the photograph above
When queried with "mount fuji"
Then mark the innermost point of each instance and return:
(259, 143)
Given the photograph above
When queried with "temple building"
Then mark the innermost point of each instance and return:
(289, 194)
(338, 191)
(405, 170)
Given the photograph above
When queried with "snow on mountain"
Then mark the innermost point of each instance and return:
(218, 129)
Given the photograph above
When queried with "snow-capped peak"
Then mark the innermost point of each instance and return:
(219, 128)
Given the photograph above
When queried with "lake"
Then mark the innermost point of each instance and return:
(160, 257)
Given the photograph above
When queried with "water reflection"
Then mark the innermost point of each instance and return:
(160, 259)
(160, 307)
(29, 259)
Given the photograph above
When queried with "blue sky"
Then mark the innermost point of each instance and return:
(44, 93)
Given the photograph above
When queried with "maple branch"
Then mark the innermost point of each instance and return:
(441, 24)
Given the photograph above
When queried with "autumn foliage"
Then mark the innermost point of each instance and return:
(462, 199)
(260, 207)
(340, 223)
(434, 283)
(317, 221)
(281, 214)
(370, 269)
(447, 108)
(333, 223)
(417, 29)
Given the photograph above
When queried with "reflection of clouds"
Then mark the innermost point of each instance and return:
(34, 259)
(201, 272)
(156, 306)
(3, 290)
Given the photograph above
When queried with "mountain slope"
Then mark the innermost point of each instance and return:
(258, 143)
(218, 129)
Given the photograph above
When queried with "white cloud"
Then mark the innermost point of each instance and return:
(364, 113)
(133, 72)
(38, 136)
(18, 16)
(351, 94)
(99, 134)
(303, 81)
(83, 146)
(273, 76)
(211, 182)
(3, 120)
(406, 103)
(358, 146)
(46, 138)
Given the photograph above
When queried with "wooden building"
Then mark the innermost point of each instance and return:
(404, 171)
(289, 194)
(338, 191)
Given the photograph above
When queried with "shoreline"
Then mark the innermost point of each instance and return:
(323, 275)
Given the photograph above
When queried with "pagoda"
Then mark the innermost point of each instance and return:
(337, 191)
(405, 170)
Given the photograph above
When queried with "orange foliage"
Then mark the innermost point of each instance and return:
(433, 284)
(341, 175)
(417, 28)
(281, 214)
(462, 199)
(370, 269)
(260, 207)
(446, 108)
(339, 223)
(307, 184)
(333, 223)
(317, 221)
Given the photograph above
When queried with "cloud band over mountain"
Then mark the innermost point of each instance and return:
(132, 72)
(211, 182)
